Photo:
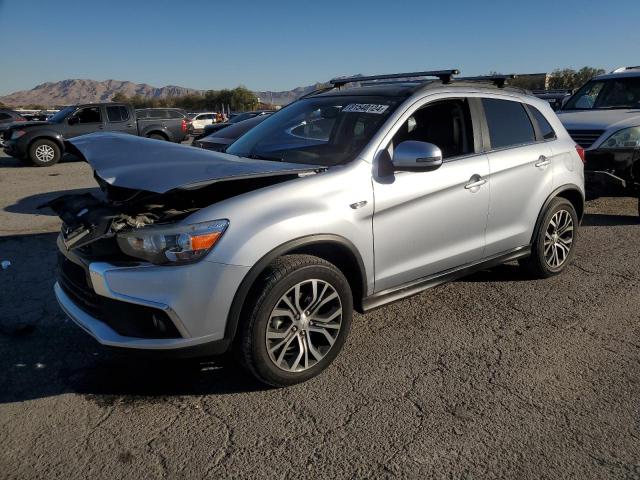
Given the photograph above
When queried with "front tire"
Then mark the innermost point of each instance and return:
(44, 153)
(554, 246)
(296, 321)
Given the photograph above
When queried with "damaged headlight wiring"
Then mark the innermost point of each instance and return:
(174, 245)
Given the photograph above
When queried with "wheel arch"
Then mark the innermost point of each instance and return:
(57, 139)
(333, 248)
(572, 193)
(158, 132)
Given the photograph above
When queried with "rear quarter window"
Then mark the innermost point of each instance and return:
(157, 113)
(508, 123)
(545, 128)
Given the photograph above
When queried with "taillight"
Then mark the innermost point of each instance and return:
(580, 151)
(21, 119)
(183, 127)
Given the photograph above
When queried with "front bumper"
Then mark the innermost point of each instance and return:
(612, 172)
(197, 298)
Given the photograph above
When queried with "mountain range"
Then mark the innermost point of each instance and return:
(72, 91)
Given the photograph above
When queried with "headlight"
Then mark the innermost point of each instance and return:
(17, 134)
(627, 138)
(173, 245)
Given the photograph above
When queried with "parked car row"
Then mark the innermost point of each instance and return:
(43, 143)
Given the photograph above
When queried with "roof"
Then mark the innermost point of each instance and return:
(405, 89)
(632, 72)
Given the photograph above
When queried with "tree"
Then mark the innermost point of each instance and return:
(120, 97)
(570, 79)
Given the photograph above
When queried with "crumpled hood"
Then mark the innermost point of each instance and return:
(599, 119)
(140, 163)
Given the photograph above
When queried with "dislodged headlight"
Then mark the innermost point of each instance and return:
(17, 134)
(173, 245)
(627, 138)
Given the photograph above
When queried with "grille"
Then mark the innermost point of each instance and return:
(585, 138)
(127, 319)
(73, 280)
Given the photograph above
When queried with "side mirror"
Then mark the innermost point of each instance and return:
(74, 120)
(416, 156)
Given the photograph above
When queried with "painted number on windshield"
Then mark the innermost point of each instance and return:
(365, 108)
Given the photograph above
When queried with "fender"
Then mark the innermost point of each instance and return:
(48, 134)
(307, 241)
(554, 194)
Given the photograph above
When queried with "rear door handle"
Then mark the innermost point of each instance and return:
(542, 161)
(476, 181)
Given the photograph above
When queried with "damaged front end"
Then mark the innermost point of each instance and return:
(147, 187)
(111, 241)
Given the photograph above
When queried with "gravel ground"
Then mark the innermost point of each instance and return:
(493, 376)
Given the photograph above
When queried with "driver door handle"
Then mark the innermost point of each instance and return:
(476, 181)
(542, 161)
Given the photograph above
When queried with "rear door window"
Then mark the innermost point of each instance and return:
(508, 122)
(117, 113)
(4, 116)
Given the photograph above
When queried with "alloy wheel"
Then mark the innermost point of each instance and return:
(304, 325)
(558, 239)
(45, 153)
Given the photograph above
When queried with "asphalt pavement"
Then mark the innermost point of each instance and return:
(492, 376)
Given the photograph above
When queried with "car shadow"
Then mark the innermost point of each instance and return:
(29, 205)
(508, 272)
(42, 353)
(10, 162)
(604, 220)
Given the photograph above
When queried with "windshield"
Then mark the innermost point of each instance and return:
(607, 94)
(319, 130)
(62, 114)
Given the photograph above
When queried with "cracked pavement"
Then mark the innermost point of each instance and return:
(492, 376)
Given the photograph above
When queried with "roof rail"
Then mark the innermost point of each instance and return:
(444, 75)
(624, 69)
(498, 80)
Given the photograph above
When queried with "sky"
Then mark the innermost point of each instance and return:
(279, 45)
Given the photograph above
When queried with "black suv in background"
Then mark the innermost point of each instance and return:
(42, 143)
(7, 117)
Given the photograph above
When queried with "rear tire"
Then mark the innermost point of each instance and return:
(296, 321)
(44, 153)
(157, 136)
(554, 246)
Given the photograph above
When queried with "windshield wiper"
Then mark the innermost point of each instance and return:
(258, 156)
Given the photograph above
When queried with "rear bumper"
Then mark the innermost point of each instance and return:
(196, 298)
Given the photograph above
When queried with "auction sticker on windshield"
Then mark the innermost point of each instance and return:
(365, 108)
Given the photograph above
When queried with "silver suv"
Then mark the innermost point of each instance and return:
(603, 116)
(349, 198)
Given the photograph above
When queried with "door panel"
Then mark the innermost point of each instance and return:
(428, 222)
(119, 120)
(520, 182)
(91, 120)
